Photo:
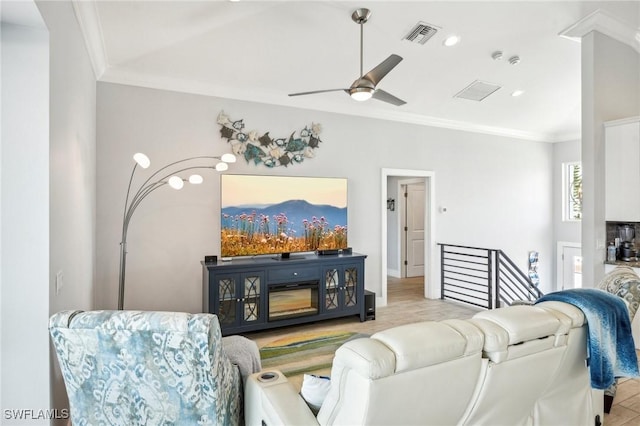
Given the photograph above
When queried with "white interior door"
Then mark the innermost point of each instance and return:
(415, 202)
(571, 267)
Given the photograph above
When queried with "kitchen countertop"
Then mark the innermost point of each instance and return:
(633, 264)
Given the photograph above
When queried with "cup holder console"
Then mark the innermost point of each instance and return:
(268, 376)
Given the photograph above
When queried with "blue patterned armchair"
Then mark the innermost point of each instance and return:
(146, 368)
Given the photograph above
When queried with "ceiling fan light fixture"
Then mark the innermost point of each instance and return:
(364, 88)
(361, 94)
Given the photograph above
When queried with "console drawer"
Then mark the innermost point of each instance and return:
(292, 274)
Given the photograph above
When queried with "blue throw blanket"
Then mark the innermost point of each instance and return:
(612, 351)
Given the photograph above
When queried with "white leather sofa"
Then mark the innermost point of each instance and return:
(521, 365)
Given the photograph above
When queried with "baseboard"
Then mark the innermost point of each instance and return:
(393, 273)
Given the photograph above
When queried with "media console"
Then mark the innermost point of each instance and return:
(249, 294)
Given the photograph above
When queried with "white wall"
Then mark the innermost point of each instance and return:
(610, 90)
(497, 190)
(24, 220)
(564, 231)
(72, 160)
(72, 170)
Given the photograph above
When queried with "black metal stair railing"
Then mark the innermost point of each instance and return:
(512, 284)
(482, 277)
(467, 274)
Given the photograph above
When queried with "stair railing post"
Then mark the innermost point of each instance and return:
(490, 278)
(497, 300)
(442, 271)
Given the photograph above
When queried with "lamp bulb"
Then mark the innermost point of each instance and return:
(222, 166)
(195, 179)
(176, 182)
(228, 158)
(142, 160)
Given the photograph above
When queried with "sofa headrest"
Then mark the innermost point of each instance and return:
(517, 331)
(368, 357)
(427, 343)
(523, 323)
(564, 310)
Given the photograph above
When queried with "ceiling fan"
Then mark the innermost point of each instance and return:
(364, 87)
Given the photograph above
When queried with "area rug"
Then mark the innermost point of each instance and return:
(301, 353)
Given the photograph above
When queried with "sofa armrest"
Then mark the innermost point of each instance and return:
(270, 399)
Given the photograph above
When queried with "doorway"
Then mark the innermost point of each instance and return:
(424, 250)
(569, 273)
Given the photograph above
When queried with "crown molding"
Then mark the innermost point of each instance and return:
(120, 76)
(607, 24)
(87, 16)
(629, 120)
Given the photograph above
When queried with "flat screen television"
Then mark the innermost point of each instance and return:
(281, 214)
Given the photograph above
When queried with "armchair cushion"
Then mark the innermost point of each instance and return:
(152, 368)
(625, 283)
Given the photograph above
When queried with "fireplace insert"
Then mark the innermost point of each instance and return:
(292, 300)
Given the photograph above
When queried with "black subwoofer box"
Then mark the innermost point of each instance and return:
(369, 305)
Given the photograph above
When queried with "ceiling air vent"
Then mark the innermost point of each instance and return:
(421, 33)
(477, 91)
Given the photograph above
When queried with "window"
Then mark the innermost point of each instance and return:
(572, 194)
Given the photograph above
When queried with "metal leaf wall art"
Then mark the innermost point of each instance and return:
(270, 151)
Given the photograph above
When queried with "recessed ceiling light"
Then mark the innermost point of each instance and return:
(517, 93)
(452, 40)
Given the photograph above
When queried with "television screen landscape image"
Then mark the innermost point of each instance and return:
(282, 214)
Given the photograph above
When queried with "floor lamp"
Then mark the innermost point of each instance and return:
(167, 175)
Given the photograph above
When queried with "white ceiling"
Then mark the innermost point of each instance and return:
(21, 13)
(263, 50)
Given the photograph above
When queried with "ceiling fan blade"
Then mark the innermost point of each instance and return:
(376, 74)
(313, 92)
(381, 95)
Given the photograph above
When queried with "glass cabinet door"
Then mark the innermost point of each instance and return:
(251, 298)
(350, 286)
(331, 289)
(228, 300)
